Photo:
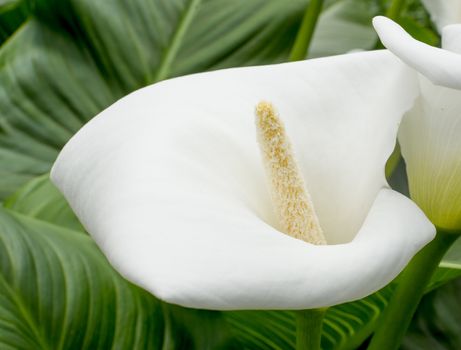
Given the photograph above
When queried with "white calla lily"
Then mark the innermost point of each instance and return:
(444, 12)
(169, 181)
(430, 133)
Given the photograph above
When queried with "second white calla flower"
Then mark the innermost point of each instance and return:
(169, 181)
(430, 133)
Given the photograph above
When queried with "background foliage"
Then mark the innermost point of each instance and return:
(62, 62)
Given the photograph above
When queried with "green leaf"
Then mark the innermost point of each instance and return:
(40, 199)
(12, 14)
(437, 323)
(197, 329)
(58, 292)
(344, 26)
(453, 258)
(74, 58)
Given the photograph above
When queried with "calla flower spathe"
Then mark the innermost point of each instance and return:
(430, 135)
(444, 12)
(169, 182)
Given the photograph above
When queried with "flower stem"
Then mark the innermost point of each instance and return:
(396, 318)
(309, 328)
(393, 12)
(303, 39)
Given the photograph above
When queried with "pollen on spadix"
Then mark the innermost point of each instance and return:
(289, 194)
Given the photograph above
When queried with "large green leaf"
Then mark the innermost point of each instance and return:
(58, 292)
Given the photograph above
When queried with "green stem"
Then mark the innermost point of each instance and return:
(396, 318)
(309, 329)
(303, 39)
(393, 12)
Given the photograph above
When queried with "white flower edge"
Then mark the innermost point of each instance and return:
(441, 66)
(169, 182)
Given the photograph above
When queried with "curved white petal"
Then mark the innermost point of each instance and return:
(170, 184)
(429, 135)
(441, 66)
(444, 12)
(431, 145)
(451, 38)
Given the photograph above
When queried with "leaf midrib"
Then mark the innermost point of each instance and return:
(177, 39)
